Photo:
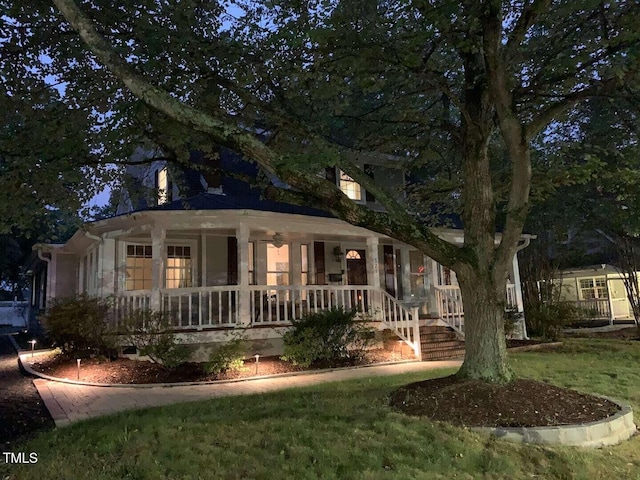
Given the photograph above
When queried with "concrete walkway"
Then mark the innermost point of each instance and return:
(70, 403)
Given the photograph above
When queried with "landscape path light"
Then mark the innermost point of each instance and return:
(257, 357)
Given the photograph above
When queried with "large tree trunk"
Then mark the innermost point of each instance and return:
(485, 344)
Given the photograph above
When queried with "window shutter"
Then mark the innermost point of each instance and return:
(318, 255)
(232, 261)
(330, 174)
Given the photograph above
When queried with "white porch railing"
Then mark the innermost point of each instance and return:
(201, 307)
(402, 320)
(125, 303)
(284, 303)
(451, 308)
(512, 300)
(595, 308)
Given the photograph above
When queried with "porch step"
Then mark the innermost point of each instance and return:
(434, 329)
(440, 345)
(442, 354)
(439, 342)
(437, 337)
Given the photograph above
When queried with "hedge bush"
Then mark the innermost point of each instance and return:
(79, 326)
(229, 356)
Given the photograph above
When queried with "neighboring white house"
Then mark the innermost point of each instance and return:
(222, 257)
(598, 289)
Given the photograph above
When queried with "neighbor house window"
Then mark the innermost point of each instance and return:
(350, 187)
(278, 265)
(138, 267)
(179, 267)
(593, 288)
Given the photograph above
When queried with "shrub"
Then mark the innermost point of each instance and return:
(229, 356)
(150, 332)
(547, 319)
(78, 326)
(326, 338)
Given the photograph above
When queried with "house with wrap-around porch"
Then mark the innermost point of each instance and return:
(207, 249)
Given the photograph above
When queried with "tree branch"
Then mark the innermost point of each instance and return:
(237, 139)
(530, 13)
(513, 134)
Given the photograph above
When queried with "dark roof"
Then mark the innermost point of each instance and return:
(208, 201)
(237, 194)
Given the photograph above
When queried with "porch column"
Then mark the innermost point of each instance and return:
(244, 303)
(158, 237)
(519, 302)
(373, 262)
(515, 269)
(107, 270)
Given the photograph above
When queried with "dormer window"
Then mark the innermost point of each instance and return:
(164, 187)
(350, 187)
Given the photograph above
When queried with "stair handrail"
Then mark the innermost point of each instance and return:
(403, 320)
(454, 314)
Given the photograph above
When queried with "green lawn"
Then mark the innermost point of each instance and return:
(339, 431)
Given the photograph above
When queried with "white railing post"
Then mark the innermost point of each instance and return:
(417, 347)
(158, 236)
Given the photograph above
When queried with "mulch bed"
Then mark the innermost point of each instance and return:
(629, 333)
(125, 371)
(521, 403)
(22, 412)
(514, 343)
(463, 403)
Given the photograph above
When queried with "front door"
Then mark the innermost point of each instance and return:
(356, 267)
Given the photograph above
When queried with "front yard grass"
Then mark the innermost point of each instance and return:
(340, 431)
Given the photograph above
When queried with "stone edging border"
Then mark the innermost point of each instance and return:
(44, 376)
(601, 433)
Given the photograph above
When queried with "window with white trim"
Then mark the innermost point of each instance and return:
(350, 187)
(164, 187)
(278, 265)
(353, 255)
(593, 288)
(417, 274)
(179, 270)
(138, 269)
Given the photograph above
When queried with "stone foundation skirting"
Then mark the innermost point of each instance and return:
(602, 433)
